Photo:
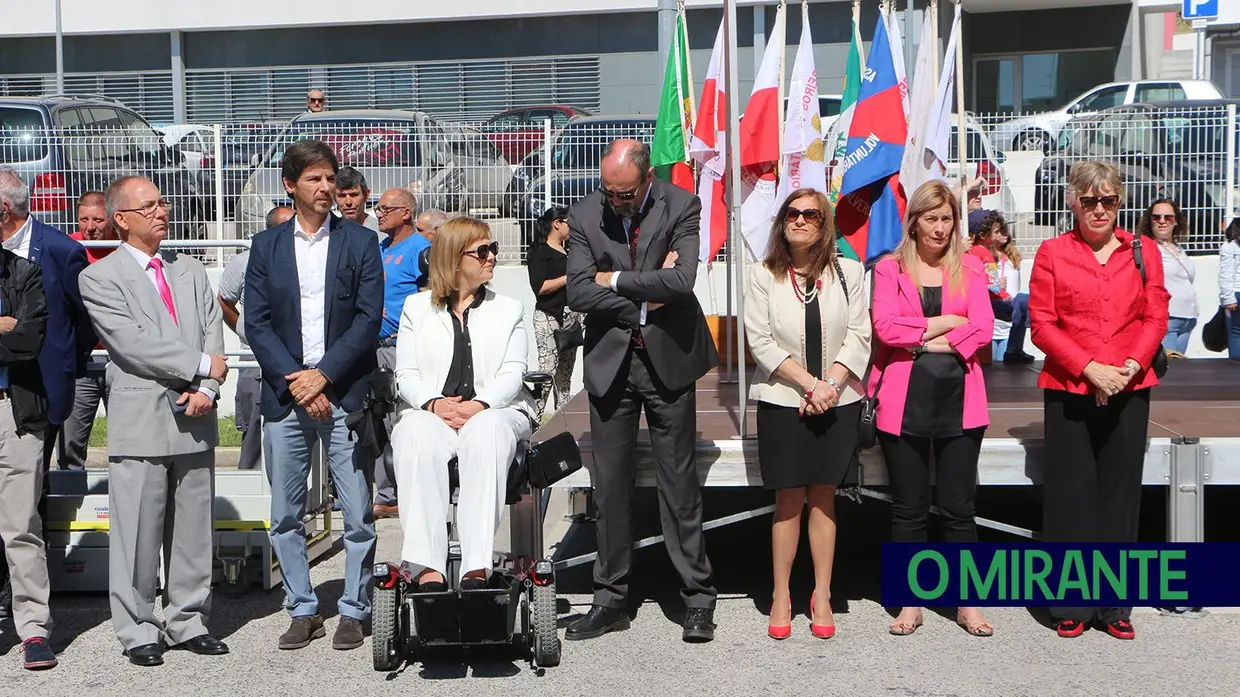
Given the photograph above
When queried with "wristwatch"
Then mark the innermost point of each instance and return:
(918, 350)
(834, 385)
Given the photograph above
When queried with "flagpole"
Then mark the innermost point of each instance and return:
(857, 31)
(961, 129)
(736, 247)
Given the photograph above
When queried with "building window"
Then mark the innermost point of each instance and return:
(1033, 82)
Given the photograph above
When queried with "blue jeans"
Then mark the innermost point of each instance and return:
(1179, 329)
(287, 445)
(1233, 334)
(1015, 343)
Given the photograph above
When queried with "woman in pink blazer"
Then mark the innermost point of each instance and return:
(932, 313)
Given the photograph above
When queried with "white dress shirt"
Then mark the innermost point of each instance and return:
(628, 233)
(1179, 272)
(144, 260)
(311, 253)
(19, 243)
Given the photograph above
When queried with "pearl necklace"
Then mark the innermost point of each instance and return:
(804, 298)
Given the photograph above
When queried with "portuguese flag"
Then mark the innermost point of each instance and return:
(669, 154)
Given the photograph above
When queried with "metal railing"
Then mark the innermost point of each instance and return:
(1185, 154)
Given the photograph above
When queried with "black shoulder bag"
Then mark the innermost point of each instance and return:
(1159, 363)
(867, 431)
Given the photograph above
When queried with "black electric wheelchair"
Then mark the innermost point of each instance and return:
(517, 608)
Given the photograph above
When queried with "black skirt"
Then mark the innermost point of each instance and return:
(795, 452)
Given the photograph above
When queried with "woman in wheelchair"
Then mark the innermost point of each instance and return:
(460, 358)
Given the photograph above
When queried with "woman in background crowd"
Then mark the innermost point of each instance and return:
(547, 265)
(932, 313)
(1229, 285)
(805, 315)
(994, 247)
(1100, 327)
(1164, 223)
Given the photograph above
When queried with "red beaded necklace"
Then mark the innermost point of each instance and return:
(805, 298)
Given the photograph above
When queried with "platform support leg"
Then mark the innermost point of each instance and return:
(1186, 500)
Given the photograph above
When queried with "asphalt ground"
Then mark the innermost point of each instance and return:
(1171, 655)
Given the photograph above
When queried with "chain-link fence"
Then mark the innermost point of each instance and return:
(1183, 153)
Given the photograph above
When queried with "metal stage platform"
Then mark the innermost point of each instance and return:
(1193, 442)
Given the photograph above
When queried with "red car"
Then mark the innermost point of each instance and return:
(517, 132)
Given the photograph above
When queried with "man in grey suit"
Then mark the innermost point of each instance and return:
(632, 264)
(157, 316)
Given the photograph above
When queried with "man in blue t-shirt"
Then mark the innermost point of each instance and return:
(397, 211)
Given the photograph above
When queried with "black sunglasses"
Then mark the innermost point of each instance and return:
(813, 216)
(1109, 203)
(618, 195)
(483, 250)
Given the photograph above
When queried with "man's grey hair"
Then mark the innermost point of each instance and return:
(434, 217)
(13, 191)
(114, 197)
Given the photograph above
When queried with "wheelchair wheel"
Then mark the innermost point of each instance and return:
(386, 637)
(546, 637)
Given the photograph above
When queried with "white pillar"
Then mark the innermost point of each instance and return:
(179, 111)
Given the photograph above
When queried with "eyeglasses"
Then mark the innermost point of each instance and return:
(1109, 203)
(618, 195)
(149, 210)
(483, 250)
(1162, 217)
(813, 216)
(316, 100)
(384, 210)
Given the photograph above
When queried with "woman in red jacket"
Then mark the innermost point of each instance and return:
(1100, 327)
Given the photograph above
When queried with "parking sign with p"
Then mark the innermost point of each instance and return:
(1200, 9)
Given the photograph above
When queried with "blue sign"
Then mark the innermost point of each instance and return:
(1200, 9)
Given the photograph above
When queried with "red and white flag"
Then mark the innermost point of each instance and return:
(760, 144)
(803, 164)
(707, 148)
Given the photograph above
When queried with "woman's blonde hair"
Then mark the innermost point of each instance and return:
(451, 241)
(821, 254)
(928, 197)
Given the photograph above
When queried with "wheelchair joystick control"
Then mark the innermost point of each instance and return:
(542, 573)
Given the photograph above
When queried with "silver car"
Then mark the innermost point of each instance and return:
(390, 148)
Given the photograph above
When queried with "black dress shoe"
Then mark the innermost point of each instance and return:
(597, 622)
(699, 625)
(146, 655)
(204, 645)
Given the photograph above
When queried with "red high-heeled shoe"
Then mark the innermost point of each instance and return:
(821, 631)
(781, 632)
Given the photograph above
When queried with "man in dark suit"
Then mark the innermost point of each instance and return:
(313, 304)
(632, 264)
(70, 337)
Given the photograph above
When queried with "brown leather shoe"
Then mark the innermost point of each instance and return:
(381, 511)
(302, 631)
(348, 634)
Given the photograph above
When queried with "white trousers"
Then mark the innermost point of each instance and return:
(422, 445)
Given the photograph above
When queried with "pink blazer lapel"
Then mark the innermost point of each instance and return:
(908, 291)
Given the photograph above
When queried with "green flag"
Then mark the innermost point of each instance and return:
(669, 154)
(837, 139)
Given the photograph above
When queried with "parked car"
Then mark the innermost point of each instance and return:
(1039, 132)
(64, 146)
(576, 154)
(391, 148)
(1176, 149)
(517, 132)
(487, 173)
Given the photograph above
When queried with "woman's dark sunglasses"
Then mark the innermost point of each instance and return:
(483, 250)
(1109, 203)
(1163, 217)
(813, 216)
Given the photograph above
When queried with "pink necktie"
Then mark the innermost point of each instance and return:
(162, 284)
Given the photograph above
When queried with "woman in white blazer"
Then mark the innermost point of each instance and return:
(460, 360)
(809, 332)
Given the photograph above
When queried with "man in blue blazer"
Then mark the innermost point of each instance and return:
(70, 337)
(313, 304)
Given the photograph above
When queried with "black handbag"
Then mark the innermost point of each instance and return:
(569, 339)
(1159, 364)
(552, 460)
(1214, 333)
(867, 429)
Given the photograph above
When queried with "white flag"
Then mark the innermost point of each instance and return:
(921, 99)
(939, 127)
(897, 56)
(802, 164)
